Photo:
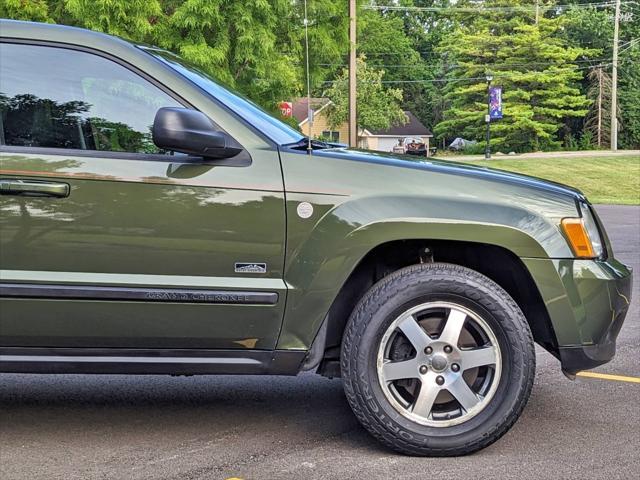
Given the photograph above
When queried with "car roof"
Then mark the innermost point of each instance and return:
(21, 30)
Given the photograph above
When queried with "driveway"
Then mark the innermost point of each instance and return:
(139, 427)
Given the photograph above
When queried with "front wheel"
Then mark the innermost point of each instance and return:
(437, 360)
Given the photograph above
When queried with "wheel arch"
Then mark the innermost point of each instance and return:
(496, 262)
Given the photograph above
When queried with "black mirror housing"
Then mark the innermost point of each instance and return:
(190, 131)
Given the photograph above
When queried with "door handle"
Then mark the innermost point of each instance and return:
(34, 188)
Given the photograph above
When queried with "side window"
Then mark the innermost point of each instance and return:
(60, 98)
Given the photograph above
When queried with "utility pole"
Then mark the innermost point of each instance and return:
(306, 57)
(353, 123)
(614, 81)
(599, 107)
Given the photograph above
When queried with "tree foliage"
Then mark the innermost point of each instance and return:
(429, 57)
(593, 28)
(378, 107)
(401, 44)
(33, 10)
(629, 99)
(533, 64)
(133, 18)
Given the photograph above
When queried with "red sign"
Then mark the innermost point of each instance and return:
(286, 109)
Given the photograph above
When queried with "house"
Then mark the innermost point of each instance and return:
(381, 140)
(385, 140)
(319, 125)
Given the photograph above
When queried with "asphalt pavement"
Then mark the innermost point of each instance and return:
(158, 427)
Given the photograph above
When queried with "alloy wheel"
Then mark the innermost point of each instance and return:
(439, 364)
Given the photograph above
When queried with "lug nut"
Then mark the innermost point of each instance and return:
(448, 349)
(423, 369)
(455, 367)
(428, 350)
(439, 379)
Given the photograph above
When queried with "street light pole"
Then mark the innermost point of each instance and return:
(487, 149)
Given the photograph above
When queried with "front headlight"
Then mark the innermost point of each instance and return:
(583, 235)
(592, 229)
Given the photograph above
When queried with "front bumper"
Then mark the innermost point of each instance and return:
(587, 302)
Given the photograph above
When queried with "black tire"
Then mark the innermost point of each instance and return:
(436, 282)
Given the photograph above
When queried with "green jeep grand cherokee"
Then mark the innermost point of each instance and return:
(155, 222)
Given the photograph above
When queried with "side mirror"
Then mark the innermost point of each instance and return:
(189, 131)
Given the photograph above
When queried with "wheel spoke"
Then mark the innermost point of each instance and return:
(426, 398)
(414, 332)
(399, 370)
(439, 364)
(453, 327)
(463, 393)
(478, 357)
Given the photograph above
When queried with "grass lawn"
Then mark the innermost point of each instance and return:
(602, 179)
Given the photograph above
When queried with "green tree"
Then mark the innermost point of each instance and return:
(591, 27)
(328, 38)
(628, 99)
(256, 47)
(236, 42)
(422, 77)
(130, 19)
(33, 10)
(629, 78)
(252, 46)
(378, 107)
(534, 65)
(389, 41)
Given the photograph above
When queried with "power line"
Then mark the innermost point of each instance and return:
(526, 64)
(633, 40)
(481, 9)
(624, 47)
(428, 52)
(497, 75)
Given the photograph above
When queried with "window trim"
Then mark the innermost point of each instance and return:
(109, 153)
(243, 159)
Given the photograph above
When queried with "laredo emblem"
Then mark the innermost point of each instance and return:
(251, 268)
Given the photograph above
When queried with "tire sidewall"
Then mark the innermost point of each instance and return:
(485, 299)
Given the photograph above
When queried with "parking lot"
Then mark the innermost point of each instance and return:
(138, 427)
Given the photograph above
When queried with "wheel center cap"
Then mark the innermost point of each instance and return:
(439, 363)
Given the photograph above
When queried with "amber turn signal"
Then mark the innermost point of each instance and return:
(578, 237)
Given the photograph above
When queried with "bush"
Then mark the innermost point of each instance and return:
(475, 149)
(570, 143)
(586, 141)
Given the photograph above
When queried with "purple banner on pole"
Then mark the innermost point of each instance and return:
(495, 103)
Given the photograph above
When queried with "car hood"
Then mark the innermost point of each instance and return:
(449, 167)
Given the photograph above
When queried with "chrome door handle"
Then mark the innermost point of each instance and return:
(34, 188)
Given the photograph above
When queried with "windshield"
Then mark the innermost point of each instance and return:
(278, 131)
